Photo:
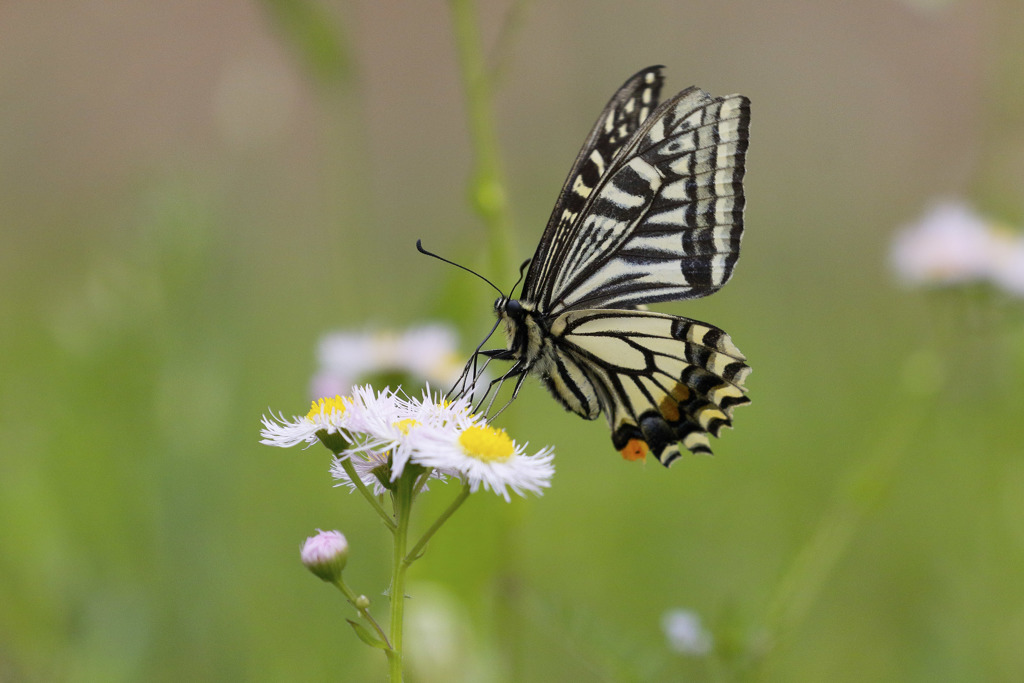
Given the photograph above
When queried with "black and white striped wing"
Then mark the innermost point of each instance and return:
(660, 380)
(631, 105)
(662, 223)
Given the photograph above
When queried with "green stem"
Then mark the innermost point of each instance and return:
(417, 549)
(350, 470)
(504, 46)
(403, 511)
(487, 187)
(364, 612)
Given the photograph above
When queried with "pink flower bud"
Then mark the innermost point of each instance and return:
(325, 554)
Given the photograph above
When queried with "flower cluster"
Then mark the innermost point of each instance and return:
(954, 245)
(382, 433)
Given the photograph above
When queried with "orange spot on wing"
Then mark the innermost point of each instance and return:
(669, 409)
(669, 406)
(634, 450)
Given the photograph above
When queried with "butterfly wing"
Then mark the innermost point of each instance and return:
(664, 220)
(661, 380)
(631, 105)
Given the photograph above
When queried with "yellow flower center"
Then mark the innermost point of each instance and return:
(326, 406)
(405, 425)
(486, 443)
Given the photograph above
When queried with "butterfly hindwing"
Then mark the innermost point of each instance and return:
(660, 379)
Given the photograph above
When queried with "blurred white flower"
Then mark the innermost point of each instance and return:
(950, 244)
(426, 353)
(442, 642)
(685, 633)
(1008, 265)
(431, 353)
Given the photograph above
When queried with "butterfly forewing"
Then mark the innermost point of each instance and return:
(665, 221)
(622, 116)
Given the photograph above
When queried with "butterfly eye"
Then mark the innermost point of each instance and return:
(513, 307)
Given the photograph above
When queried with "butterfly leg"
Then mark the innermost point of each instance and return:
(515, 392)
(519, 369)
(460, 387)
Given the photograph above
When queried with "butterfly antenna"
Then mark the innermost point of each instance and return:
(522, 274)
(419, 248)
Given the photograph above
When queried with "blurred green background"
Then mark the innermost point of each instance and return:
(192, 193)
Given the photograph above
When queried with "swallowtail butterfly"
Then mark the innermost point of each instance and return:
(652, 211)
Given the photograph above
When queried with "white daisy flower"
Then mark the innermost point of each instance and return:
(368, 465)
(950, 244)
(482, 455)
(382, 422)
(434, 409)
(328, 415)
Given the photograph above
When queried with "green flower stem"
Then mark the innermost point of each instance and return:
(418, 549)
(403, 496)
(487, 188)
(364, 612)
(350, 470)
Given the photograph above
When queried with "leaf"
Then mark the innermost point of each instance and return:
(368, 636)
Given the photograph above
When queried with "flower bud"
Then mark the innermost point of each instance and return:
(325, 554)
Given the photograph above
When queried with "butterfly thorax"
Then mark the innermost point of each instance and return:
(525, 331)
(533, 344)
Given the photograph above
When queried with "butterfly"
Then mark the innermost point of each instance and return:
(651, 211)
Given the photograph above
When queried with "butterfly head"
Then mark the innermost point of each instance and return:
(512, 308)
